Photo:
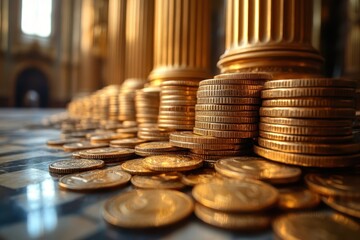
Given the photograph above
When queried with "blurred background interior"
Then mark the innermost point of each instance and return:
(52, 51)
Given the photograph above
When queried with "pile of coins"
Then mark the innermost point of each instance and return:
(156, 148)
(152, 132)
(308, 122)
(177, 101)
(147, 101)
(127, 98)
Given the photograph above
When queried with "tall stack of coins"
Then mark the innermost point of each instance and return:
(113, 95)
(308, 122)
(127, 98)
(147, 101)
(177, 101)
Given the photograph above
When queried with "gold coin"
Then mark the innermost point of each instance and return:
(235, 221)
(176, 122)
(229, 100)
(170, 180)
(176, 118)
(308, 139)
(203, 175)
(308, 92)
(172, 162)
(176, 126)
(127, 142)
(225, 134)
(310, 82)
(327, 225)
(206, 146)
(302, 112)
(229, 87)
(177, 114)
(107, 153)
(147, 208)
(307, 122)
(246, 148)
(233, 114)
(179, 102)
(177, 108)
(190, 137)
(61, 142)
(309, 102)
(226, 126)
(257, 168)
(82, 146)
(235, 195)
(96, 179)
(310, 148)
(74, 165)
(136, 167)
(229, 93)
(297, 199)
(163, 146)
(226, 108)
(207, 157)
(244, 76)
(347, 206)
(305, 130)
(179, 92)
(334, 184)
(191, 83)
(307, 160)
(177, 97)
(231, 82)
(182, 88)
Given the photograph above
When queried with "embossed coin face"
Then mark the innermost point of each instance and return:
(334, 185)
(160, 181)
(147, 208)
(96, 179)
(171, 162)
(200, 176)
(257, 168)
(316, 225)
(104, 153)
(297, 198)
(348, 206)
(236, 195)
(156, 146)
(136, 167)
(75, 165)
(237, 221)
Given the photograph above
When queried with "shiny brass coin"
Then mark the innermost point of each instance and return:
(107, 137)
(307, 122)
(347, 206)
(153, 138)
(172, 162)
(229, 87)
(227, 114)
(82, 146)
(334, 184)
(235, 221)
(179, 102)
(232, 82)
(191, 83)
(300, 112)
(229, 100)
(307, 160)
(177, 108)
(226, 108)
(244, 76)
(147, 208)
(226, 126)
(127, 131)
(297, 199)
(203, 175)
(235, 195)
(107, 153)
(222, 153)
(94, 180)
(309, 102)
(74, 165)
(177, 118)
(310, 82)
(225, 134)
(148, 154)
(182, 88)
(207, 157)
(127, 142)
(170, 180)
(178, 92)
(226, 119)
(136, 167)
(206, 146)
(307, 92)
(257, 168)
(177, 114)
(176, 126)
(61, 142)
(162, 121)
(308, 139)
(327, 225)
(190, 137)
(308, 131)
(310, 148)
(228, 93)
(177, 97)
(163, 146)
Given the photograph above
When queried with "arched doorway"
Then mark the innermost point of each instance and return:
(31, 89)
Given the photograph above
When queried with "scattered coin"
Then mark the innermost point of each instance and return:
(347, 206)
(169, 180)
(77, 146)
(107, 153)
(67, 166)
(136, 167)
(297, 198)
(204, 175)
(172, 162)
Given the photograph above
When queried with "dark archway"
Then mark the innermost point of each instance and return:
(32, 89)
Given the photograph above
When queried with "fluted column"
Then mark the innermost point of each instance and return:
(272, 36)
(182, 39)
(116, 42)
(139, 38)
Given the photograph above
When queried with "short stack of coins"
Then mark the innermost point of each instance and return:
(127, 99)
(147, 101)
(177, 101)
(308, 122)
(152, 132)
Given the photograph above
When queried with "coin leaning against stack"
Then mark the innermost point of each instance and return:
(308, 122)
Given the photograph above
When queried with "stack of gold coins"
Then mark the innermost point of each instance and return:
(151, 132)
(177, 101)
(127, 98)
(113, 95)
(227, 106)
(156, 148)
(308, 122)
(147, 101)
